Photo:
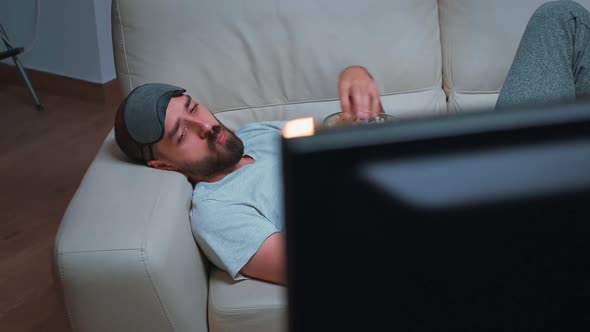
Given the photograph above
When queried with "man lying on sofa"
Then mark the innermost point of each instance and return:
(236, 212)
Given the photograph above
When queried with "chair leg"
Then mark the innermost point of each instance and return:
(21, 69)
(23, 73)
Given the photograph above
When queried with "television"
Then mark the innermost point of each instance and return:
(468, 222)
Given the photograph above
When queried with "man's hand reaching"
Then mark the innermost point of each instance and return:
(358, 93)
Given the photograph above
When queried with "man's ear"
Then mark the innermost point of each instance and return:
(162, 165)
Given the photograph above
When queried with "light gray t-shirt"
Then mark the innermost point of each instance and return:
(232, 217)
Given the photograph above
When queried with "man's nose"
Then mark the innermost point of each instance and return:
(202, 128)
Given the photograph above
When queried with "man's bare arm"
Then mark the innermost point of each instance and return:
(269, 262)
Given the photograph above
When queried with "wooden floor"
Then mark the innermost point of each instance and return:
(43, 157)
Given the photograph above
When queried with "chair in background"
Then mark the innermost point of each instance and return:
(13, 52)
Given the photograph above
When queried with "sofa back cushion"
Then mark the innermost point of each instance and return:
(280, 59)
(479, 40)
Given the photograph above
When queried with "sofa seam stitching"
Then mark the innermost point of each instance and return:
(449, 65)
(68, 309)
(142, 255)
(430, 88)
(251, 310)
(475, 92)
(442, 65)
(442, 57)
(123, 43)
(96, 250)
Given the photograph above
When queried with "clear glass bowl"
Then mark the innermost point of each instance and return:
(337, 120)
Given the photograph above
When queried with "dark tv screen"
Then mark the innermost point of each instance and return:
(470, 222)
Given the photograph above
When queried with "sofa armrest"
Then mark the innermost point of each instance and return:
(125, 254)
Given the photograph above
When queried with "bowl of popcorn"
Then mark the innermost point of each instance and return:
(339, 120)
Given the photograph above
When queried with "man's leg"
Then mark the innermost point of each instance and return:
(552, 62)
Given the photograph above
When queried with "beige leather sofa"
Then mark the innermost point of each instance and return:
(125, 254)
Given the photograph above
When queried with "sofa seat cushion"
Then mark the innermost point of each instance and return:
(247, 305)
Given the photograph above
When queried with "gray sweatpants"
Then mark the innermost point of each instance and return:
(552, 63)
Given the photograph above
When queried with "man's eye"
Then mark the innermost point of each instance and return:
(194, 108)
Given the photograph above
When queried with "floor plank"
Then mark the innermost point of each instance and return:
(43, 157)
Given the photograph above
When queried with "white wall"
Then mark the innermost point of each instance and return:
(102, 13)
(74, 36)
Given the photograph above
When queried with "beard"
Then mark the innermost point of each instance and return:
(222, 156)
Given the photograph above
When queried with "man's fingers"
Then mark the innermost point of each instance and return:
(375, 104)
(359, 107)
(365, 109)
(346, 106)
(345, 100)
(359, 99)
